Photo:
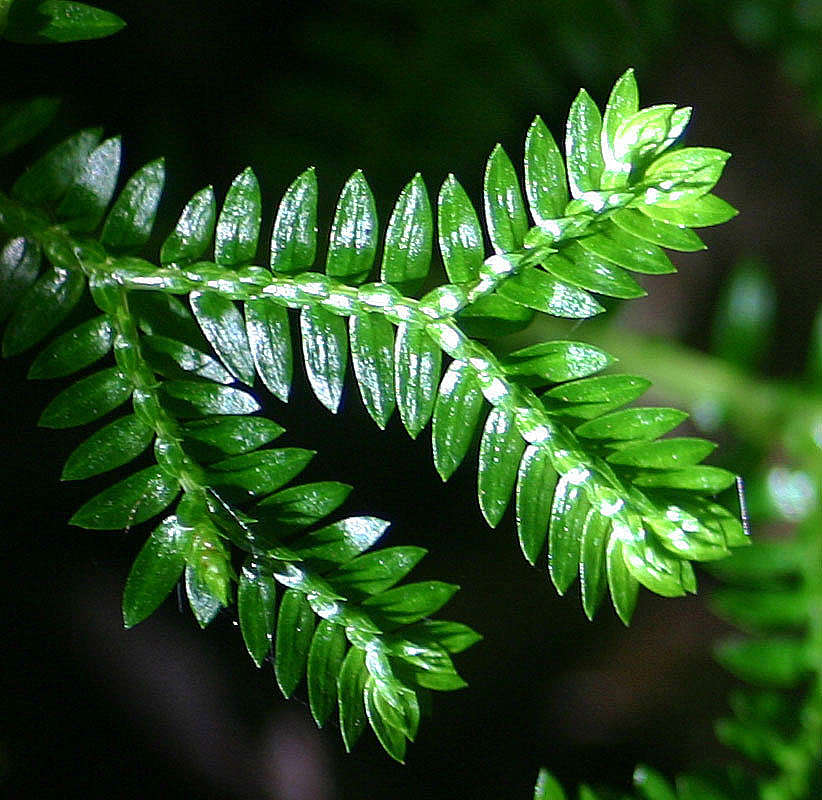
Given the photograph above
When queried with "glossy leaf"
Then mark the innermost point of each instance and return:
(504, 207)
(417, 364)
(632, 423)
(459, 233)
(295, 629)
(73, 350)
(568, 512)
(696, 213)
(391, 738)
(294, 237)
(300, 506)
(22, 120)
(628, 251)
(269, 338)
(701, 477)
(501, 449)
(224, 327)
(19, 266)
(192, 235)
(112, 446)
(658, 232)
(256, 608)
(131, 218)
(129, 502)
(341, 541)
(87, 198)
(652, 566)
(197, 399)
(623, 103)
(42, 308)
(684, 174)
(407, 253)
(376, 572)
(536, 480)
(325, 657)
(204, 603)
(492, 316)
(547, 787)
(596, 531)
(456, 414)
(156, 570)
(582, 268)
(410, 602)
(261, 472)
(173, 359)
(372, 352)
(535, 289)
(582, 145)
(663, 454)
(231, 435)
(353, 242)
(545, 183)
(325, 349)
(557, 361)
(623, 585)
(350, 688)
(88, 399)
(591, 397)
(238, 226)
(58, 21)
(644, 133)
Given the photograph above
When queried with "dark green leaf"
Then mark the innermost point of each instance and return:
(19, 266)
(112, 446)
(232, 435)
(44, 306)
(269, 338)
(459, 233)
(568, 512)
(580, 267)
(623, 585)
(557, 361)
(536, 480)
(780, 662)
(417, 364)
(504, 207)
(300, 506)
(192, 234)
(73, 350)
(592, 397)
(350, 688)
(407, 254)
(325, 350)
(592, 578)
(651, 785)
(261, 472)
(129, 223)
(295, 629)
(88, 399)
(353, 243)
(697, 213)
(129, 502)
(91, 191)
(48, 179)
(156, 570)
(224, 327)
(204, 603)
(39, 21)
(623, 103)
(22, 120)
(391, 738)
(341, 541)
(294, 238)
(501, 449)
(664, 454)
(655, 231)
(582, 145)
(545, 182)
(197, 399)
(257, 608)
(372, 351)
(454, 637)
(376, 572)
(492, 316)
(456, 414)
(711, 480)
(238, 226)
(632, 423)
(173, 359)
(325, 657)
(163, 314)
(628, 251)
(535, 289)
(410, 602)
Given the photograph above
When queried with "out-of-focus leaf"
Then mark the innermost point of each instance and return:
(43, 21)
(19, 266)
(22, 120)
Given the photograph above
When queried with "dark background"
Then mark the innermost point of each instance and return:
(393, 88)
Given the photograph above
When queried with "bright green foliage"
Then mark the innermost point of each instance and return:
(48, 21)
(615, 504)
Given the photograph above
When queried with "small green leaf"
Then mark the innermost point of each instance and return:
(557, 361)
(545, 182)
(341, 541)
(568, 512)
(372, 351)
(256, 608)
(591, 397)
(535, 289)
(156, 570)
(504, 207)
(596, 531)
(112, 446)
(300, 506)
(547, 787)
(582, 145)
(456, 414)
(197, 399)
(74, 350)
(657, 232)
(204, 603)
(417, 365)
(453, 637)
(325, 350)
(88, 399)
(698, 212)
(129, 502)
(129, 223)
(459, 233)
(652, 566)
(407, 254)
(777, 661)
(193, 232)
(163, 314)
(350, 693)
(269, 338)
(651, 785)
(22, 120)
(411, 601)
(48, 179)
(231, 435)
(223, 325)
(39, 21)
(392, 739)
(492, 316)
(19, 267)
(375, 572)
(42, 308)
(643, 134)
(623, 585)
(261, 472)
(238, 226)
(325, 657)
(91, 191)
(501, 449)
(628, 251)
(701, 477)
(663, 454)
(632, 423)
(353, 242)
(295, 629)
(678, 177)
(536, 480)
(623, 103)
(294, 238)
(175, 360)
(582, 268)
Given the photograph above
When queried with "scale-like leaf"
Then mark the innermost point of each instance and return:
(545, 183)
(417, 364)
(238, 226)
(73, 350)
(325, 657)
(504, 207)
(372, 351)
(632, 423)
(256, 608)
(628, 251)
(90, 193)
(658, 232)
(197, 399)
(269, 338)
(294, 237)
(19, 267)
(591, 397)
(407, 254)
(156, 570)
(131, 218)
(568, 512)
(582, 145)
(224, 327)
(261, 472)
(192, 235)
(295, 629)
(353, 242)
(87, 400)
(556, 361)
(500, 452)
(129, 502)
(535, 289)
(536, 480)
(325, 350)
(459, 233)
(580, 267)
(112, 446)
